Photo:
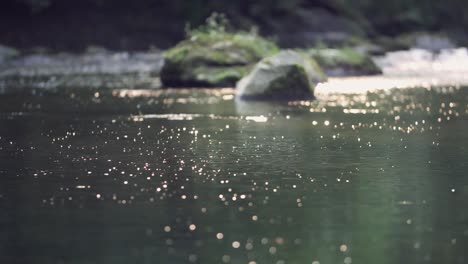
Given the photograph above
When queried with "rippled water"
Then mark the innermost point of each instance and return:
(197, 177)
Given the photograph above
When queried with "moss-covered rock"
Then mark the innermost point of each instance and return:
(288, 75)
(212, 58)
(344, 62)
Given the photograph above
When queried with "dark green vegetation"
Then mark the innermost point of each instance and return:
(186, 176)
(139, 24)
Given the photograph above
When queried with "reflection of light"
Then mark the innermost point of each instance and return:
(361, 85)
(360, 111)
(260, 119)
(343, 248)
(225, 93)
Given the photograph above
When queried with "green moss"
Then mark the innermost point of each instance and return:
(220, 57)
(222, 76)
(221, 48)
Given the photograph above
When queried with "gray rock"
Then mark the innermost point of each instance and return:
(288, 75)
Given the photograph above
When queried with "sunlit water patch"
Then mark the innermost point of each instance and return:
(181, 176)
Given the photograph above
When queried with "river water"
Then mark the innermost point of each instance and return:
(183, 176)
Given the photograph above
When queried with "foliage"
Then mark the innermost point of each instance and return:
(384, 15)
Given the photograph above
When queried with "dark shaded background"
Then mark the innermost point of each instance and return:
(136, 25)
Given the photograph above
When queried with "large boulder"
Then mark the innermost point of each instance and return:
(288, 75)
(213, 59)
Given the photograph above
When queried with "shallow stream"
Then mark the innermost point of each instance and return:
(184, 176)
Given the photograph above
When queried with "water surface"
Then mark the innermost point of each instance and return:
(150, 176)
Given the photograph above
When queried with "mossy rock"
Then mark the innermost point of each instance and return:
(213, 59)
(344, 62)
(288, 75)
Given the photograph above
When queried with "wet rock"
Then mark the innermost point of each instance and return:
(344, 62)
(213, 58)
(288, 75)
(7, 53)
